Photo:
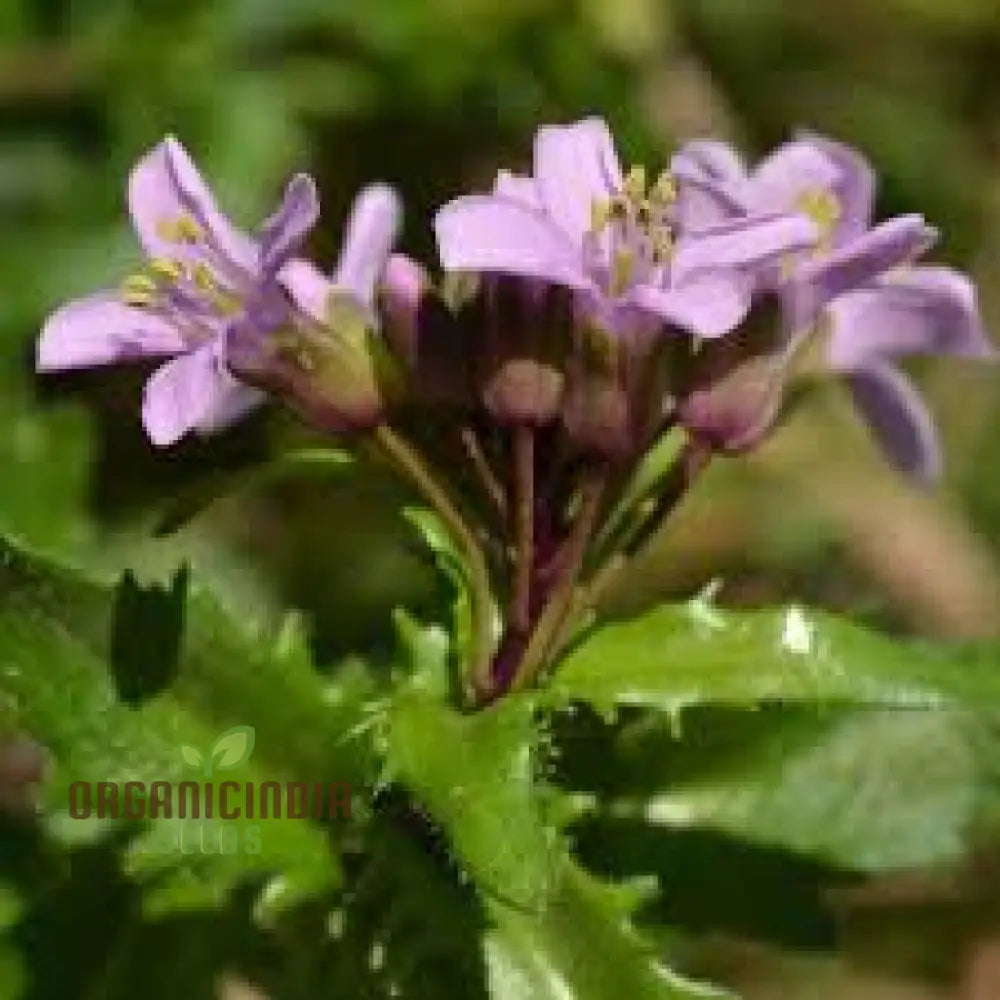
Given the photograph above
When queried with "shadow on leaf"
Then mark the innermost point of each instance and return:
(146, 628)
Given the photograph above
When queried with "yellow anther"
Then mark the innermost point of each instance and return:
(138, 290)
(622, 267)
(139, 283)
(635, 184)
(665, 189)
(644, 213)
(135, 292)
(130, 297)
(824, 208)
(203, 277)
(600, 215)
(663, 245)
(181, 229)
(167, 269)
(189, 230)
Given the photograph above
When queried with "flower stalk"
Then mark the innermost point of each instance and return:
(408, 461)
(537, 653)
(524, 531)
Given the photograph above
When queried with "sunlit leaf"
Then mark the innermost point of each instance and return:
(678, 656)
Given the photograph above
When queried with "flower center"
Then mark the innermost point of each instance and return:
(824, 208)
(631, 233)
(165, 277)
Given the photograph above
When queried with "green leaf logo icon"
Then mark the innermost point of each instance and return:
(233, 747)
(230, 750)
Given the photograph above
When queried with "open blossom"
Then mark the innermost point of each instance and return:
(860, 281)
(618, 243)
(202, 275)
(327, 361)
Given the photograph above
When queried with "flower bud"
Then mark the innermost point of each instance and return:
(730, 390)
(615, 390)
(337, 376)
(526, 334)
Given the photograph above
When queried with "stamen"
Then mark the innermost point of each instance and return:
(600, 215)
(622, 268)
(166, 269)
(618, 207)
(824, 208)
(182, 229)
(662, 240)
(138, 290)
(635, 184)
(202, 276)
(664, 191)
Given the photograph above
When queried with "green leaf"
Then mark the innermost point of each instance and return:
(451, 566)
(674, 657)
(579, 948)
(870, 790)
(476, 775)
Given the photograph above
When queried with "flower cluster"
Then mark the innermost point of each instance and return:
(584, 314)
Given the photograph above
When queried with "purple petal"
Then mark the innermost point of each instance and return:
(101, 330)
(710, 180)
(517, 188)
(745, 242)
(370, 233)
(194, 392)
(791, 170)
(898, 419)
(165, 186)
(574, 165)
(283, 234)
(310, 289)
(709, 305)
(710, 160)
(855, 188)
(487, 233)
(922, 310)
(883, 248)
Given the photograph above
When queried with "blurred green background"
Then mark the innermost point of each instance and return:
(434, 95)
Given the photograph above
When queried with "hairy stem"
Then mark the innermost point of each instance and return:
(412, 464)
